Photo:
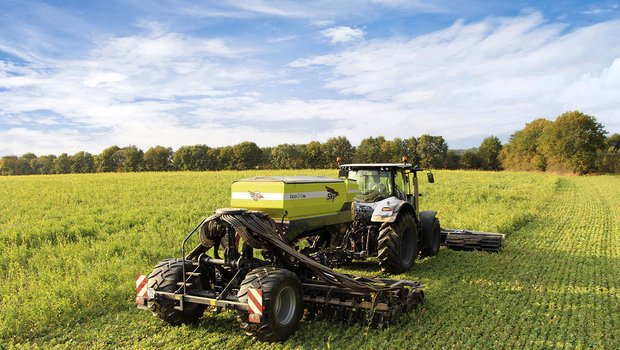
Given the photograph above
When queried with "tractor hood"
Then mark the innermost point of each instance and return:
(382, 211)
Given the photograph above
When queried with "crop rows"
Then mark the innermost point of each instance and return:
(72, 244)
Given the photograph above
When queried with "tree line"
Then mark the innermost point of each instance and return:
(575, 142)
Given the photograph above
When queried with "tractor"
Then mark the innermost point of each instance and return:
(269, 257)
(388, 224)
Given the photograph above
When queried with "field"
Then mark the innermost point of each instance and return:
(71, 245)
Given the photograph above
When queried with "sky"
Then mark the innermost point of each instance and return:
(85, 75)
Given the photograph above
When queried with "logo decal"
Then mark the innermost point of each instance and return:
(331, 193)
(256, 195)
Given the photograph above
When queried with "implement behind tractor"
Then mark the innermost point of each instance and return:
(273, 294)
(272, 260)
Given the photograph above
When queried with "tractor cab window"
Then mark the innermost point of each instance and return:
(400, 182)
(372, 184)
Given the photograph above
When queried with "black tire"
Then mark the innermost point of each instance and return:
(431, 233)
(165, 278)
(282, 302)
(398, 244)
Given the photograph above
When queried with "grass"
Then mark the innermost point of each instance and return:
(71, 246)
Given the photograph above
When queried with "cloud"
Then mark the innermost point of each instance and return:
(320, 12)
(499, 72)
(138, 89)
(599, 10)
(322, 23)
(464, 82)
(342, 34)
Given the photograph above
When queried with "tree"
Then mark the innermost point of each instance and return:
(370, 151)
(613, 142)
(246, 155)
(523, 150)
(432, 150)
(45, 164)
(315, 157)
(8, 165)
(104, 162)
(26, 164)
(287, 156)
(129, 158)
(63, 164)
(472, 160)
(213, 155)
(225, 157)
(392, 151)
(453, 160)
(266, 157)
(489, 151)
(158, 158)
(83, 162)
(572, 141)
(197, 158)
(336, 147)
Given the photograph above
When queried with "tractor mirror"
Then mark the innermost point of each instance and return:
(343, 173)
(431, 178)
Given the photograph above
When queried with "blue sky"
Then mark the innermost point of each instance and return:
(84, 75)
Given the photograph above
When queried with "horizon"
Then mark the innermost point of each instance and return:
(86, 76)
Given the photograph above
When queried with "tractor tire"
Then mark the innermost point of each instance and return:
(431, 233)
(282, 303)
(165, 278)
(398, 244)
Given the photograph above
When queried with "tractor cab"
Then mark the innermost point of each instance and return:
(378, 184)
(379, 181)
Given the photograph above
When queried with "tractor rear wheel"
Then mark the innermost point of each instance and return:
(282, 303)
(398, 244)
(431, 233)
(166, 277)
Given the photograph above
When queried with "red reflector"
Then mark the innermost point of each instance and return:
(386, 209)
(254, 318)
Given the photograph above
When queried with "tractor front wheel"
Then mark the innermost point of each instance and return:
(281, 299)
(398, 244)
(431, 233)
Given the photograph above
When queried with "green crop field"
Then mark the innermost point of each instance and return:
(71, 246)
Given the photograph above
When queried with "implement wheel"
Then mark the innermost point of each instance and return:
(282, 303)
(166, 277)
(431, 233)
(398, 244)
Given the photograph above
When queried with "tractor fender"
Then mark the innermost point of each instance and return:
(387, 210)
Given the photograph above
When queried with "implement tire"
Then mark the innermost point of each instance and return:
(431, 233)
(282, 303)
(165, 278)
(398, 244)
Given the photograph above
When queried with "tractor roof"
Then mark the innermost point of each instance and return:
(378, 165)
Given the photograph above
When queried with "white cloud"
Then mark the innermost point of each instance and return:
(322, 23)
(466, 81)
(486, 77)
(342, 34)
(128, 90)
